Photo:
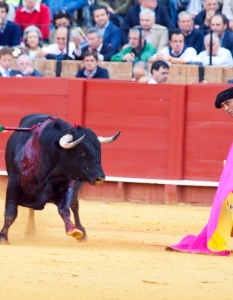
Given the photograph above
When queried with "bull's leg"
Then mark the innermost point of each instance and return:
(10, 216)
(75, 208)
(64, 210)
(31, 227)
(13, 193)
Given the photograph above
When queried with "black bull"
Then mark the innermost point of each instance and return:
(49, 164)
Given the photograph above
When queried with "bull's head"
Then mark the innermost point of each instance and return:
(67, 142)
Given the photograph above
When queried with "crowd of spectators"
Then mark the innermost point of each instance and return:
(161, 32)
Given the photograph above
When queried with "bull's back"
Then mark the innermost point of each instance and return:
(17, 140)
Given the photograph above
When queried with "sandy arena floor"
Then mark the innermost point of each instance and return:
(123, 258)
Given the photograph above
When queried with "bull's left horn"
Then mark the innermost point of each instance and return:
(107, 140)
(66, 141)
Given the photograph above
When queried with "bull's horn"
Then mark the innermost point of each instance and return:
(107, 140)
(66, 141)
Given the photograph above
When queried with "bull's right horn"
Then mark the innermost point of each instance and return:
(66, 141)
(110, 139)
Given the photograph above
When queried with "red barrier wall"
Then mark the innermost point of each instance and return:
(168, 131)
(21, 96)
(150, 120)
(208, 133)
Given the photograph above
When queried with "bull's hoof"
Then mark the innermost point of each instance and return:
(75, 233)
(4, 242)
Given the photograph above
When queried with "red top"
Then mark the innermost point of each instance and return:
(41, 19)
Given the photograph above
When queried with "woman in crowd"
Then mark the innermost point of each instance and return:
(32, 38)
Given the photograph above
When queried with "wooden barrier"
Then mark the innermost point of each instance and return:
(170, 132)
(184, 74)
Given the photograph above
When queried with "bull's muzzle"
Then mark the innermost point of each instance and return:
(99, 180)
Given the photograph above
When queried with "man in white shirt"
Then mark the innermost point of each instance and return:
(220, 56)
(177, 52)
(6, 60)
(159, 73)
(58, 50)
(156, 35)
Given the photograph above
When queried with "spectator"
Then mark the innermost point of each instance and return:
(227, 10)
(132, 16)
(159, 72)
(119, 7)
(25, 66)
(58, 50)
(221, 56)
(192, 37)
(194, 7)
(61, 18)
(70, 5)
(11, 11)
(32, 38)
(219, 24)
(177, 52)
(156, 35)
(202, 20)
(131, 52)
(91, 68)
(140, 69)
(95, 38)
(34, 13)
(111, 33)
(9, 31)
(6, 60)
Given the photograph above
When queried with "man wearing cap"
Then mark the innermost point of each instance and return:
(225, 100)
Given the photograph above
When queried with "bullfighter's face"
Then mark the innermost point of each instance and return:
(228, 107)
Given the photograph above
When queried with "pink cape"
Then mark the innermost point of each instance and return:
(214, 237)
